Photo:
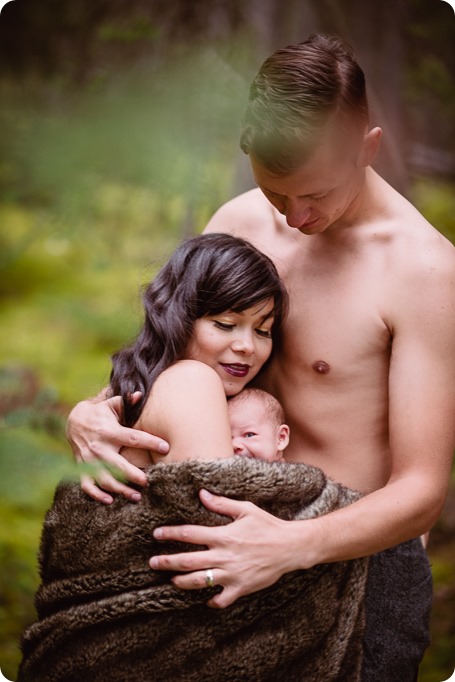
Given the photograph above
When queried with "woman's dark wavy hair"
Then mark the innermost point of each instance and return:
(206, 275)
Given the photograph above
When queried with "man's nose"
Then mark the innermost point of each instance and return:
(297, 214)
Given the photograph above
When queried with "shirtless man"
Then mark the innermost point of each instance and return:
(366, 374)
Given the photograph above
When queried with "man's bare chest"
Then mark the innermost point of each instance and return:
(336, 316)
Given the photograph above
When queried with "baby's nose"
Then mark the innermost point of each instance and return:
(239, 448)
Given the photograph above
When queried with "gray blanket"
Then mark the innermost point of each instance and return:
(104, 615)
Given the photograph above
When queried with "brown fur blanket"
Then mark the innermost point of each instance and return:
(105, 616)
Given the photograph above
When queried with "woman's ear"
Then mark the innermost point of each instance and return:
(283, 437)
(369, 148)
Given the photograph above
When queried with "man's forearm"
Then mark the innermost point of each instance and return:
(257, 548)
(401, 510)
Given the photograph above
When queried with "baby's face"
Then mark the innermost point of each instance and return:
(254, 434)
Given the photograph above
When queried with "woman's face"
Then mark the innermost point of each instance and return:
(235, 345)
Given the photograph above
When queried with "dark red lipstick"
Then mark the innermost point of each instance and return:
(236, 369)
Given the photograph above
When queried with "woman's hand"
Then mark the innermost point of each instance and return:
(96, 436)
(250, 553)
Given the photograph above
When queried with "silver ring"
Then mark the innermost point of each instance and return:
(209, 578)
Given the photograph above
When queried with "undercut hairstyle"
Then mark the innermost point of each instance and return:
(272, 406)
(206, 275)
(298, 90)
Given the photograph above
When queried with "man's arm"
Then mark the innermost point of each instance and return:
(96, 437)
(256, 549)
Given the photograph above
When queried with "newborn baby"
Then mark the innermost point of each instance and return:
(257, 425)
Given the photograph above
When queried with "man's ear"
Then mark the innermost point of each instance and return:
(283, 437)
(369, 148)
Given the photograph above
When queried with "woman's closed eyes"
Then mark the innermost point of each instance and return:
(227, 327)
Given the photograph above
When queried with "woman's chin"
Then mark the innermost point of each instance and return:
(232, 389)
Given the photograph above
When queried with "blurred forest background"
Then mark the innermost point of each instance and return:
(119, 125)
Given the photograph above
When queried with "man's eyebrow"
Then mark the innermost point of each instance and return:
(301, 196)
(315, 194)
(270, 191)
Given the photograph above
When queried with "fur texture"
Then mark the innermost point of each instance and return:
(105, 615)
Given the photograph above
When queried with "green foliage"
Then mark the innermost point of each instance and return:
(430, 94)
(155, 127)
(436, 200)
(100, 184)
(31, 463)
(137, 29)
(98, 188)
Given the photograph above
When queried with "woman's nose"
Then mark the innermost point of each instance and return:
(243, 343)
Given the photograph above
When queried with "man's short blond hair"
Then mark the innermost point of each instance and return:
(298, 90)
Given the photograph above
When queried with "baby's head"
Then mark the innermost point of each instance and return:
(257, 425)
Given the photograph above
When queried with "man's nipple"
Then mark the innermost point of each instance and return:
(321, 367)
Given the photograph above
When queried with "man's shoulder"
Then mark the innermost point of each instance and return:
(423, 246)
(421, 267)
(241, 215)
(412, 242)
(416, 261)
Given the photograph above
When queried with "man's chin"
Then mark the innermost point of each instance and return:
(315, 227)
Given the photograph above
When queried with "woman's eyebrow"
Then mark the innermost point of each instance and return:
(271, 313)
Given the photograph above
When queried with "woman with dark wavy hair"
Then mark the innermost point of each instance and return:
(211, 317)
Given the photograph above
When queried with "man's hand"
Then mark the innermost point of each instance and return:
(96, 436)
(246, 555)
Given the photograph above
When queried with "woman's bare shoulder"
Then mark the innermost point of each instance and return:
(181, 389)
(184, 371)
(187, 407)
